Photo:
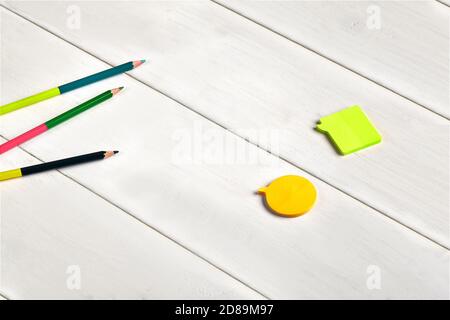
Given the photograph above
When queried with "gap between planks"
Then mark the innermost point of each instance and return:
(328, 58)
(3, 296)
(167, 95)
(444, 3)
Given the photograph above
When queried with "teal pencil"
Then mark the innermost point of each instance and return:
(47, 94)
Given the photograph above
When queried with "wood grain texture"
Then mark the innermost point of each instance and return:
(245, 77)
(209, 206)
(52, 227)
(403, 45)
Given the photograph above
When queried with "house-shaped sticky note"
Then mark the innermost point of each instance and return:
(350, 130)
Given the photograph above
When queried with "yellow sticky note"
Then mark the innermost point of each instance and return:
(290, 196)
(350, 130)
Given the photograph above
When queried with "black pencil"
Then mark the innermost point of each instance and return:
(20, 172)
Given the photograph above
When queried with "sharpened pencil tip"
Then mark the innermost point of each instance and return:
(137, 63)
(109, 154)
(116, 90)
(115, 151)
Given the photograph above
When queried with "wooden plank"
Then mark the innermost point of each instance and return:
(209, 206)
(61, 241)
(244, 77)
(402, 45)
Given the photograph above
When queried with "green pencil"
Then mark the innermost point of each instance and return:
(58, 120)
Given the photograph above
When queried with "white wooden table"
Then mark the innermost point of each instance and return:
(175, 214)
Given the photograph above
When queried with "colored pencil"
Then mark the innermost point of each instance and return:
(20, 172)
(30, 134)
(69, 86)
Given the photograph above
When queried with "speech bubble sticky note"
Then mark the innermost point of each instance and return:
(350, 130)
(290, 196)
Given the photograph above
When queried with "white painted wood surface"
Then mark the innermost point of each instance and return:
(54, 230)
(209, 208)
(243, 76)
(53, 227)
(403, 45)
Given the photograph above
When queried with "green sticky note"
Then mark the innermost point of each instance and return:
(350, 130)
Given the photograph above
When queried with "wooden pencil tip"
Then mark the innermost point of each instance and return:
(137, 63)
(109, 154)
(116, 90)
